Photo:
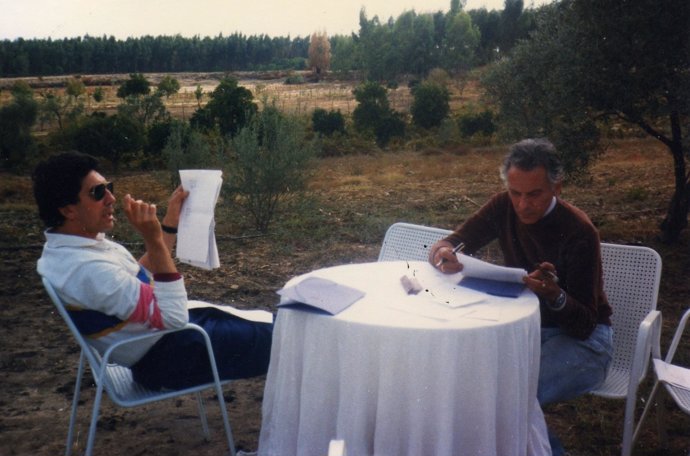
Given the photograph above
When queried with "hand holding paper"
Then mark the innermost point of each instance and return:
(196, 240)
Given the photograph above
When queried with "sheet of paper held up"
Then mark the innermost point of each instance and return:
(196, 238)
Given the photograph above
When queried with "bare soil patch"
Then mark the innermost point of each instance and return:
(353, 200)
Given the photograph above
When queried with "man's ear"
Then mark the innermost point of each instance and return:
(68, 212)
(557, 188)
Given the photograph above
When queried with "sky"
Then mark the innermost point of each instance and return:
(134, 18)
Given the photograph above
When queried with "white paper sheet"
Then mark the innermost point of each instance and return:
(322, 294)
(196, 239)
(473, 267)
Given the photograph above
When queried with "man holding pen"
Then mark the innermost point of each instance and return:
(540, 232)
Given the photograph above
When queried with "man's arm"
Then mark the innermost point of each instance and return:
(171, 220)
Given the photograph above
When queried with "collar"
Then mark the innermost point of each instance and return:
(551, 207)
(68, 240)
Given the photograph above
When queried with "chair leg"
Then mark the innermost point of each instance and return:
(202, 416)
(94, 418)
(75, 402)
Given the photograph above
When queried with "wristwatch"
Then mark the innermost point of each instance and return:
(559, 302)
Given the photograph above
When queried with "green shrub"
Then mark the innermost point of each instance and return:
(373, 114)
(270, 164)
(327, 122)
(473, 123)
(431, 105)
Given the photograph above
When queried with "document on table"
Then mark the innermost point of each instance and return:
(490, 278)
(322, 294)
(674, 375)
(196, 238)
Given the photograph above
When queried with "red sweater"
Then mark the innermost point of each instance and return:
(565, 237)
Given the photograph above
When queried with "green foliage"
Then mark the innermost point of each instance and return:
(231, 108)
(98, 94)
(482, 123)
(75, 87)
(270, 164)
(187, 148)
(168, 86)
(590, 62)
(145, 109)
(16, 119)
(115, 138)
(64, 110)
(327, 122)
(294, 79)
(431, 104)
(373, 115)
(136, 85)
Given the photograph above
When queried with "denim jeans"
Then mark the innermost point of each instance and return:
(571, 367)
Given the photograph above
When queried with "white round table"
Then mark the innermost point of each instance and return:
(397, 374)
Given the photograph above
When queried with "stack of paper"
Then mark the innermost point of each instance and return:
(490, 278)
(321, 294)
(196, 238)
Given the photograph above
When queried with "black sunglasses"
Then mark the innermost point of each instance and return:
(97, 192)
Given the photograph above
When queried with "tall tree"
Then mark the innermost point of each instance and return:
(319, 52)
(593, 61)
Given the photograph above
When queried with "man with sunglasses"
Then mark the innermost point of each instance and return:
(111, 296)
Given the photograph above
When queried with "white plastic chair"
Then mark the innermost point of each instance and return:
(631, 282)
(117, 380)
(681, 396)
(405, 241)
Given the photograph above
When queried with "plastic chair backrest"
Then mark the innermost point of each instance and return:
(631, 281)
(405, 241)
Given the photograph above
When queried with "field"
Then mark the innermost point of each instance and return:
(342, 219)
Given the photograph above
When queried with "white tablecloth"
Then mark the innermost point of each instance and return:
(398, 374)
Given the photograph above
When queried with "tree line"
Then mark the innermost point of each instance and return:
(411, 44)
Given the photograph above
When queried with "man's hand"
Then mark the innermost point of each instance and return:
(543, 281)
(444, 259)
(143, 217)
(175, 203)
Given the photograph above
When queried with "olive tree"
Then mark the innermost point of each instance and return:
(590, 62)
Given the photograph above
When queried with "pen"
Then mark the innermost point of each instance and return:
(456, 249)
(548, 273)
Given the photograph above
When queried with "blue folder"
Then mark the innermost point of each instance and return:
(493, 287)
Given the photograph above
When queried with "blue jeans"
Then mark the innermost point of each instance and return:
(571, 367)
(242, 349)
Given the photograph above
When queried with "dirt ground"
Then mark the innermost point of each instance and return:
(352, 201)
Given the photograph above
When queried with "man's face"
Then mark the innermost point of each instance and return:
(90, 216)
(530, 192)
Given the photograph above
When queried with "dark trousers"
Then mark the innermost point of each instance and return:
(242, 349)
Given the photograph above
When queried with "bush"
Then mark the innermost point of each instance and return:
(17, 145)
(231, 108)
(270, 164)
(136, 85)
(473, 123)
(115, 138)
(373, 115)
(327, 122)
(187, 148)
(430, 105)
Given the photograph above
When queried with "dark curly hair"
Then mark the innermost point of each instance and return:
(57, 183)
